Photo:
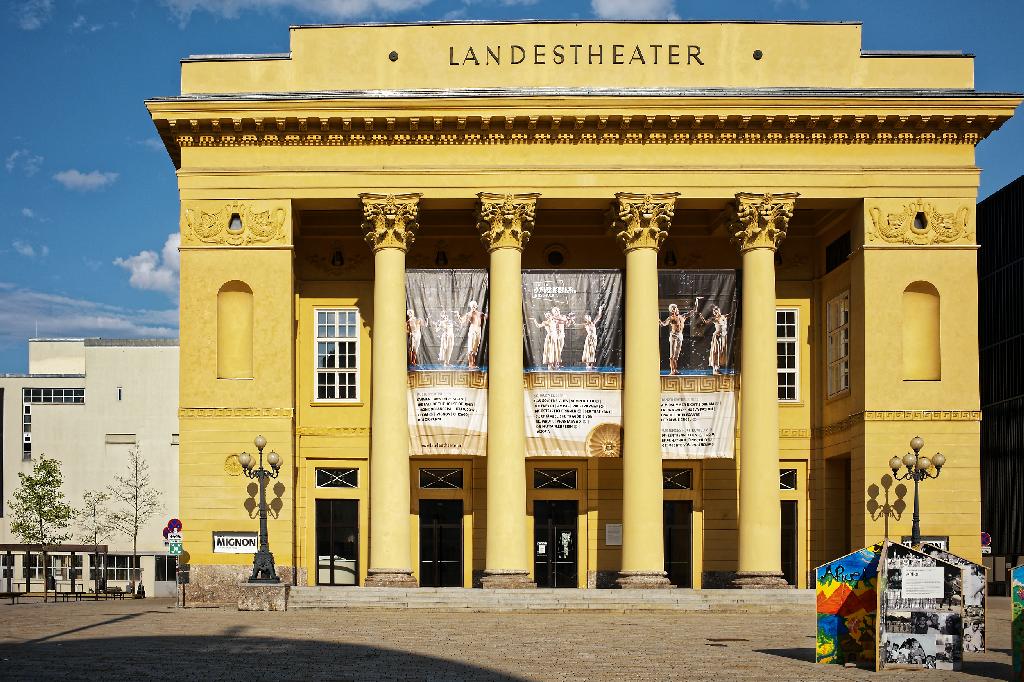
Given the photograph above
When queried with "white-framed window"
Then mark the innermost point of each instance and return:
(337, 354)
(787, 352)
(43, 396)
(838, 319)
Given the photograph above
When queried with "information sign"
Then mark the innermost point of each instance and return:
(923, 582)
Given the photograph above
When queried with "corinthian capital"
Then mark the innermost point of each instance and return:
(390, 220)
(505, 220)
(641, 221)
(761, 220)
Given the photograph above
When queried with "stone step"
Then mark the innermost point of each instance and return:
(460, 599)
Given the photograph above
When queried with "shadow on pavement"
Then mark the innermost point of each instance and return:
(994, 670)
(225, 658)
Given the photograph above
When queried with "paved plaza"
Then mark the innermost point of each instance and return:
(152, 639)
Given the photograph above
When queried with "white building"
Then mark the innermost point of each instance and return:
(86, 402)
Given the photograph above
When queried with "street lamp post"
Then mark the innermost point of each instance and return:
(918, 467)
(263, 570)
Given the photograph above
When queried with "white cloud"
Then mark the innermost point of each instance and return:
(29, 251)
(327, 9)
(85, 182)
(58, 315)
(153, 143)
(32, 14)
(28, 213)
(634, 9)
(82, 24)
(24, 159)
(155, 271)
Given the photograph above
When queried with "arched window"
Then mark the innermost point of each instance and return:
(234, 331)
(922, 357)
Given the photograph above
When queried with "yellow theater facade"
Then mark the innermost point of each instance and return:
(836, 185)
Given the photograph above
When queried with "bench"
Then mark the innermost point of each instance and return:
(13, 596)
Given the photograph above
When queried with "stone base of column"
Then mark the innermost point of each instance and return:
(390, 577)
(759, 580)
(643, 580)
(506, 579)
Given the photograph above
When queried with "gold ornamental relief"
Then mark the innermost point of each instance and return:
(642, 221)
(390, 221)
(506, 220)
(605, 440)
(762, 220)
(919, 223)
(235, 223)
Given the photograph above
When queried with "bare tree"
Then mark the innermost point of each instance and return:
(138, 500)
(40, 514)
(94, 520)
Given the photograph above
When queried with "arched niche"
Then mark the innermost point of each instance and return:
(922, 356)
(234, 331)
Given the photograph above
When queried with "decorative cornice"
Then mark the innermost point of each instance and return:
(922, 415)
(334, 431)
(761, 220)
(920, 223)
(505, 220)
(254, 226)
(390, 220)
(899, 416)
(199, 129)
(641, 221)
(230, 412)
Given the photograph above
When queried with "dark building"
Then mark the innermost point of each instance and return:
(1001, 341)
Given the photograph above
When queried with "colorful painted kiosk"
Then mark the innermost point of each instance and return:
(1017, 623)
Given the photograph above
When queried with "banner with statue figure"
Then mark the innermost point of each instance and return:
(698, 325)
(573, 357)
(446, 332)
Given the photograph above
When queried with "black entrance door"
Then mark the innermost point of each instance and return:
(679, 542)
(554, 543)
(337, 542)
(441, 543)
(790, 540)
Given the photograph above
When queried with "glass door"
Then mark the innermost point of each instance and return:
(679, 542)
(337, 542)
(790, 540)
(441, 543)
(555, 543)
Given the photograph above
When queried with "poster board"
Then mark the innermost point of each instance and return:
(699, 324)
(847, 604)
(920, 611)
(573, 349)
(446, 335)
(1017, 622)
(975, 582)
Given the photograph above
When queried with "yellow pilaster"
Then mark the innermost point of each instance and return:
(505, 222)
(760, 226)
(389, 225)
(640, 222)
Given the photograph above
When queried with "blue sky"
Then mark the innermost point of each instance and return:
(88, 202)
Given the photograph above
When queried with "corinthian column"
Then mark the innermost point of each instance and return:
(389, 224)
(641, 223)
(759, 227)
(505, 221)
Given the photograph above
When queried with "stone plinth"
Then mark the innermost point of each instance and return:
(389, 577)
(506, 579)
(263, 596)
(643, 580)
(759, 580)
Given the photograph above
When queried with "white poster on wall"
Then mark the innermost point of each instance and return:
(698, 425)
(923, 582)
(234, 542)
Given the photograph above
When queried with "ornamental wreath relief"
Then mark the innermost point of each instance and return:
(252, 227)
(920, 223)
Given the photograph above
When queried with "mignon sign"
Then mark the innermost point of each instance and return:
(229, 542)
